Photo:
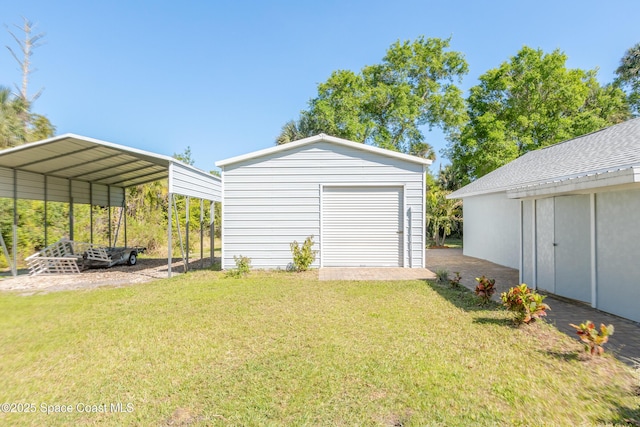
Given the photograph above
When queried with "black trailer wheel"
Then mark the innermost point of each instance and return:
(133, 258)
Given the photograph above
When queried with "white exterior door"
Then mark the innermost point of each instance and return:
(362, 227)
(545, 237)
(573, 247)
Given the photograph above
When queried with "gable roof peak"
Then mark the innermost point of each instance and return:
(323, 138)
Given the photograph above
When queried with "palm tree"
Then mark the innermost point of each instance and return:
(422, 149)
(12, 131)
(294, 130)
(442, 215)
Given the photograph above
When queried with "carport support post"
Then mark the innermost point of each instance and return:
(90, 212)
(124, 213)
(201, 233)
(14, 243)
(71, 225)
(186, 225)
(169, 232)
(45, 213)
(212, 230)
(109, 213)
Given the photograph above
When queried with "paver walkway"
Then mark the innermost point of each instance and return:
(624, 343)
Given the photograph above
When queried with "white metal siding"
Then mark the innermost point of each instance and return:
(193, 183)
(275, 199)
(362, 227)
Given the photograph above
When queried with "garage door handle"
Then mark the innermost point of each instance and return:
(400, 232)
(555, 244)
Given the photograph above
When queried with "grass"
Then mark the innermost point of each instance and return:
(450, 242)
(284, 349)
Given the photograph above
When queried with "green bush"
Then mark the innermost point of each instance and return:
(243, 266)
(485, 288)
(593, 339)
(525, 303)
(442, 275)
(455, 282)
(303, 256)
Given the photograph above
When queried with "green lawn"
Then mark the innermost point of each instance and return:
(285, 349)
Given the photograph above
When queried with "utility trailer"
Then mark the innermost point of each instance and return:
(68, 257)
(98, 256)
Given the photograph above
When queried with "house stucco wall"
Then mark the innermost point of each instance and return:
(618, 253)
(491, 229)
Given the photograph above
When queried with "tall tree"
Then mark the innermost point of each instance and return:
(629, 76)
(448, 178)
(388, 104)
(296, 129)
(12, 132)
(33, 126)
(23, 57)
(443, 215)
(530, 102)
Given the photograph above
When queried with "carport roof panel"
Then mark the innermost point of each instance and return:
(81, 158)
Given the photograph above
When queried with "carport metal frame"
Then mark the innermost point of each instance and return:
(77, 169)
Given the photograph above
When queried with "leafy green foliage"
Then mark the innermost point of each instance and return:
(455, 281)
(386, 104)
(303, 256)
(593, 338)
(442, 275)
(485, 288)
(18, 124)
(629, 76)
(525, 303)
(11, 127)
(243, 266)
(442, 216)
(530, 102)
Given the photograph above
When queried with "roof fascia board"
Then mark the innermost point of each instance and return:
(322, 138)
(583, 183)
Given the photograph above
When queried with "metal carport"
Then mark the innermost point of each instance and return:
(77, 169)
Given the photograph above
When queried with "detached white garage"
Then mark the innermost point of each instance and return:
(364, 205)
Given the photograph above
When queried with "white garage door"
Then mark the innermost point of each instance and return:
(362, 227)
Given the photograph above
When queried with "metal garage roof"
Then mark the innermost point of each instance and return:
(80, 158)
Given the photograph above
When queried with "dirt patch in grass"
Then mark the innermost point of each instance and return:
(145, 270)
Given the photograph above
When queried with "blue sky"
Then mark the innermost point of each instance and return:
(222, 77)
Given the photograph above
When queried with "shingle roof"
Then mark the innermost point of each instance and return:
(609, 150)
